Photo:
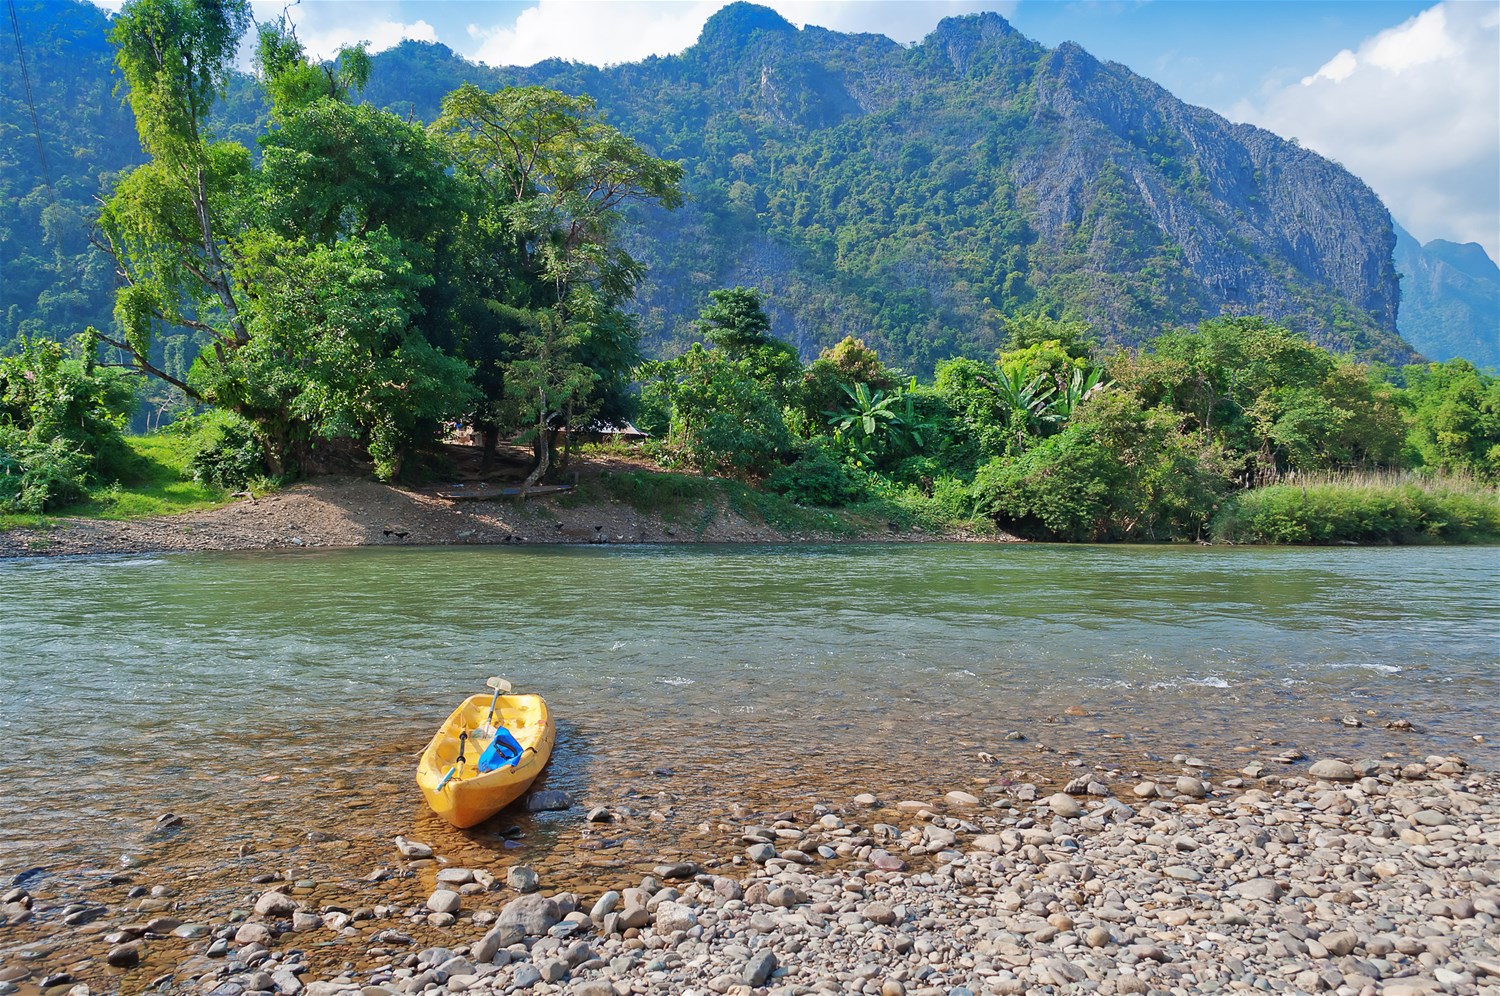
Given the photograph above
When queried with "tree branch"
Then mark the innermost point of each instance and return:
(146, 365)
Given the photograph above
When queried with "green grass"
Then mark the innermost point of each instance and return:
(1363, 508)
(694, 502)
(157, 484)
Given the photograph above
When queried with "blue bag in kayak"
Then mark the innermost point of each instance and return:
(503, 751)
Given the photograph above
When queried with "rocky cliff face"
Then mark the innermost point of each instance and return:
(1450, 299)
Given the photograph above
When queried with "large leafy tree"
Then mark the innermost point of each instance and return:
(307, 276)
(1276, 400)
(545, 271)
(170, 222)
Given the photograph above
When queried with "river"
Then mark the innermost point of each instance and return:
(264, 696)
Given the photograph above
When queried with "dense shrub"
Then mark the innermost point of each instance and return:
(819, 477)
(721, 420)
(223, 449)
(1115, 472)
(60, 422)
(39, 475)
(1361, 510)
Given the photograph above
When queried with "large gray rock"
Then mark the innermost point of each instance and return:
(535, 914)
(759, 968)
(275, 904)
(500, 936)
(1263, 889)
(523, 878)
(444, 901)
(1333, 771)
(1065, 805)
(671, 917)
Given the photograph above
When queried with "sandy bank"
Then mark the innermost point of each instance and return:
(348, 512)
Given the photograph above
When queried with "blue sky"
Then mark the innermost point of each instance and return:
(1404, 94)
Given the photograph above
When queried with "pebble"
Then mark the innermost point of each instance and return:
(412, 849)
(522, 878)
(546, 799)
(1065, 805)
(444, 901)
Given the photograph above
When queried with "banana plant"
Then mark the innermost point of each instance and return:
(860, 428)
(870, 410)
(1075, 389)
(1026, 395)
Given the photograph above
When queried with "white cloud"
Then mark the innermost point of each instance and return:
(1419, 41)
(324, 27)
(1338, 69)
(598, 33)
(1414, 111)
(605, 34)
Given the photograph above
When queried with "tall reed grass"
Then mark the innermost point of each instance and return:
(1377, 507)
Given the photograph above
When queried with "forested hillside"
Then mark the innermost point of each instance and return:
(916, 197)
(54, 282)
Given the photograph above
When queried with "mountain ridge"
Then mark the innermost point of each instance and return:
(913, 196)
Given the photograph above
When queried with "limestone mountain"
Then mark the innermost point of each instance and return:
(1450, 299)
(917, 196)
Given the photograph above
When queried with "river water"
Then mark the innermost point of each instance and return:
(264, 696)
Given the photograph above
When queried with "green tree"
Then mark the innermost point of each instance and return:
(309, 276)
(1455, 419)
(1116, 471)
(734, 322)
(719, 419)
(168, 225)
(544, 273)
(1075, 339)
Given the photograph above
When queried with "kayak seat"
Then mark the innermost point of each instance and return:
(447, 750)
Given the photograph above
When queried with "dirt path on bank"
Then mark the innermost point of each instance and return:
(349, 511)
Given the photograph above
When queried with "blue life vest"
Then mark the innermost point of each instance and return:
(503, 751)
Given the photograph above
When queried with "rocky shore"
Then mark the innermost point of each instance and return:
(1351, 877)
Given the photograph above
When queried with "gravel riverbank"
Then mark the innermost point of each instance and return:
(1356, 877)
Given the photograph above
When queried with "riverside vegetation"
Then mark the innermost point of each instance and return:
(363, 281)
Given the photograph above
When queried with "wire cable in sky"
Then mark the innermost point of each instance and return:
(36, 126)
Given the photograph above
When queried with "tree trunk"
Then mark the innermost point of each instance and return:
(491, 436)
(543, 449)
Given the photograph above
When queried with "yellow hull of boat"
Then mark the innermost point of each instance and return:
(470, 797)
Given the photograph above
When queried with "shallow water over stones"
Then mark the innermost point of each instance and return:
(276, 702)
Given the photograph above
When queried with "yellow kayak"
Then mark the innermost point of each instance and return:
(459, 792)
